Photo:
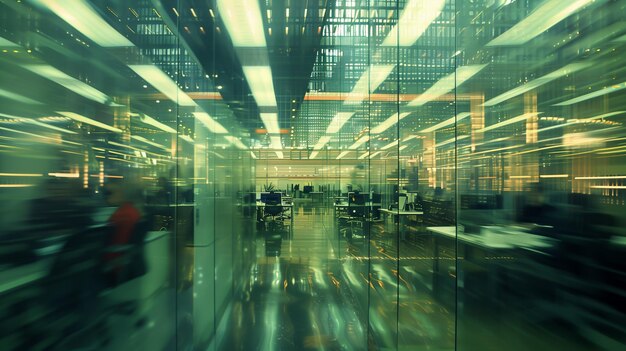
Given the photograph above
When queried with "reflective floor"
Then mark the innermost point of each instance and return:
(313, 288)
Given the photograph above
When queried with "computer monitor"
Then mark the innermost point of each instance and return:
(356, 198)
(307, 189)
(377, 198)
(271, 198)
(263, 197)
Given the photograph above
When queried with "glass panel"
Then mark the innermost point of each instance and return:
(539, 169)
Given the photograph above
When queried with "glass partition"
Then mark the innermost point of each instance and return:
(321, 174)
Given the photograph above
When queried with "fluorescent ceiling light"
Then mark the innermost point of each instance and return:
(18, 97)
(270, 120)
(541, 19)
(374, 76)
(510, 121)
(338, 121)
(279, 154)
(313, 155)
(253, 155)
(80, 15)
(187, 138)
(390, 145)
(360, 142)
(364, 155)
(375, 154)
(261, 84)
(153, 122)
(242, 19)
(149, 142)
(414, 20)
(210, 123)
(4, 43)
(342, 154)
(83, 119)
(163, 83)
(581, 120)
(446, 84)
(536, 83)
(36, 122)
(451, 140)
(275, 143)
(601, 92)
(320, 144)
(446, 123)
(70, 83)
(402, 147)
(235, 141)
(389, 122)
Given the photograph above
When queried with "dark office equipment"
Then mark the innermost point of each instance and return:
(307, 189)
(271, 198)
(376, 198)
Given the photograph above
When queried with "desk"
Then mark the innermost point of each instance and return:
(400, 214)
(345, 206)
(493, 242)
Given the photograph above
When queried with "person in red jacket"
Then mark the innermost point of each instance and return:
(123, 224)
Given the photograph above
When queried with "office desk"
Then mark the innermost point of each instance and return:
(345, 206)
(488, 251)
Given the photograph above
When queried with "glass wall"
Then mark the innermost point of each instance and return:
(451, 172)
(122, 178)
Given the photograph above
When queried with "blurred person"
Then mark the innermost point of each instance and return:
(124, 223)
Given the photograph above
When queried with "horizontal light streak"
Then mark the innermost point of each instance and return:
(18, 97)
(364, 155)
(163, 83)
(390, 145)
(553, 175)
(446, 84)
(600, 178)
(21, 175)
(80, 118)
(83, 89)
(261, 85)
(154, 123)
(416, 17)
(149, 142)
(541, 19)
(389, 122)
(320, 143)
(610, 187)
(446, 123)
(369, 81)
(64, 175)
(187, 138)
(342, 154)
(375, 154)
(338, 122)
(451, 140)
(360, 142)
(16, 185)
(84, 18)
(510, 121)
(536, 83)
(211, 124)
(601, 92)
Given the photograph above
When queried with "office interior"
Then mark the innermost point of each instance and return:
(312, 175)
